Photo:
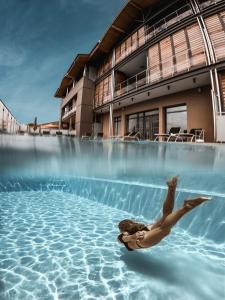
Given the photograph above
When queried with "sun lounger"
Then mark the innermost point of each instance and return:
(116, 137)
(168, 136)
(46, 132)
(134, 136)
(194, 135)
(99, 136)
(87, 136)
(58, 132)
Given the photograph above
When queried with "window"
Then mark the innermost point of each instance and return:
(117, 126)
(176, 117)
(147, 123)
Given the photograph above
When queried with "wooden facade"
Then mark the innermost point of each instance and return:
(103, 91)
(222, 86)
(166, 49)
(176, 53)
(216, 28)
(105, 66)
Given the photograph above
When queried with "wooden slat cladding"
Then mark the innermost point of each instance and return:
(197, 50)
(128, 46)
(103, 91)
(181, 50)
(141, 36)
(222, 84)
(107, 64)
(177, 53)
(154, 63)
(97, 88)
(216, 31)
(166, 57)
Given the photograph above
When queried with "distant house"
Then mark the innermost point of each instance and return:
(44, 128)
(50, 125)
(8, 123)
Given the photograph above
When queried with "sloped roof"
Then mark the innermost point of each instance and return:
(132, 10)
(77, 65)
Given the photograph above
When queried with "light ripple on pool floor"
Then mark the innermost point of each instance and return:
(56, 245)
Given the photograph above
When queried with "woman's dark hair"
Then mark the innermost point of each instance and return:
(120, 238)
(131, 227)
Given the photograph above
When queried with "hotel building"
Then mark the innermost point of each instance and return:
(8, 123)
(161, 64)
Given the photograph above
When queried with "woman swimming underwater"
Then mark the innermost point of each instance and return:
(137, 236)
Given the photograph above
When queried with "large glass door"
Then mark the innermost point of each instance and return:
(146, 123)
(151, 124)
(176, 117)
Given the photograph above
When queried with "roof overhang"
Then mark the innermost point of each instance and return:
(132, 10)
(76, 67)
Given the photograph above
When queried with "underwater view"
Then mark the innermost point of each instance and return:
(61, 200)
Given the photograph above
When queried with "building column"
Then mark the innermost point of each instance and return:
(60, 120)
(110, 120)
(123, 123)
(70, 124)
(161, 121)
(211, 59)
(75, 124)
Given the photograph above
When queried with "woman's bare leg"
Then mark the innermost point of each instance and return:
(169, 201)
(170, 198)
(172, 218)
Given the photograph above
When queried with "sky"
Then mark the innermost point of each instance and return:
(38, 41)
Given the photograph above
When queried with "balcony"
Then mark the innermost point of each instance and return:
(164, 70)
(69, 113)
(173, 18)
(149, 32)
(102, 98)
(206, 3)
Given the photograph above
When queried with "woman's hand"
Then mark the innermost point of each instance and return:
(140, 235)
(126, 237)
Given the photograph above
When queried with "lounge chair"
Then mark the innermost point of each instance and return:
(46, 132)
(99, 136)
(87, 136)
(133, 136)
(194, 135)
(58, 132)
(168, 136)
(116, 137)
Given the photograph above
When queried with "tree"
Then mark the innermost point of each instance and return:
(35, 124)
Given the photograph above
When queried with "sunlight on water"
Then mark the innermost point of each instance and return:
(62, 198)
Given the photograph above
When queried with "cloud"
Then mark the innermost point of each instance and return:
(11, 56)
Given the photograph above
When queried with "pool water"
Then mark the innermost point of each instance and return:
(59, 215)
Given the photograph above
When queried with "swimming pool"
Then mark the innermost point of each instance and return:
(61, 200)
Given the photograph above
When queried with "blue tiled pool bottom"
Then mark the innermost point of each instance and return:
(57, 245)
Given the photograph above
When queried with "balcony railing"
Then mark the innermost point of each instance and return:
(206, 3)
(163, 70)
(68, 113)
(175, 17)
(151, 31)
(102, 98)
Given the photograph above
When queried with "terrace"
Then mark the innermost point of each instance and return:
(166, 69)
(149, 31)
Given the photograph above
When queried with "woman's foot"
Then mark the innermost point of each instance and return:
(172, 182)
(195, 202)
